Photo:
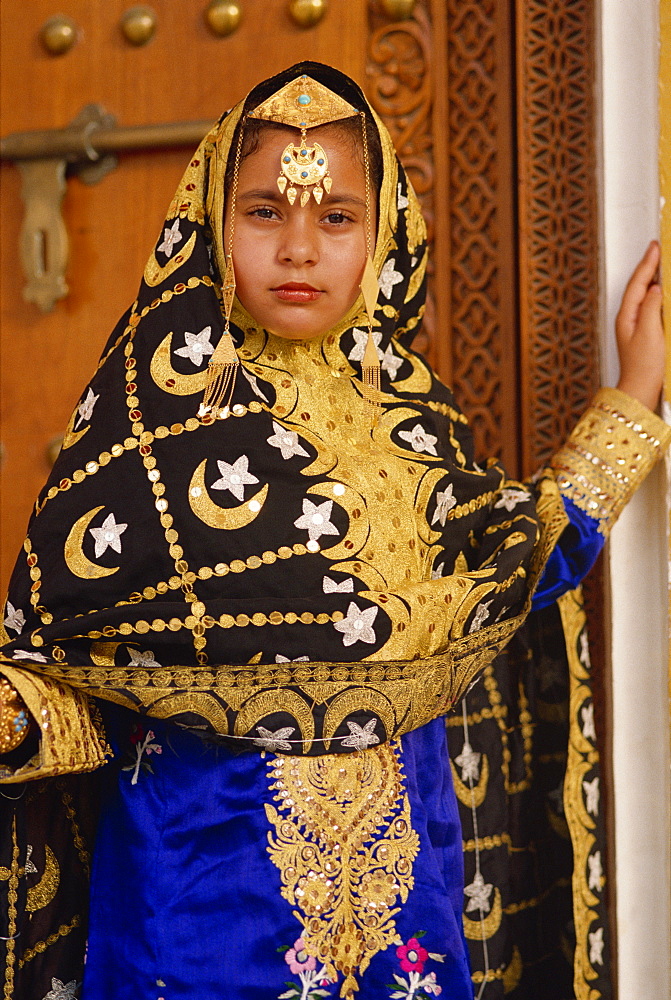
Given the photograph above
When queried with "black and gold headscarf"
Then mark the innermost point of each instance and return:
(295, 565)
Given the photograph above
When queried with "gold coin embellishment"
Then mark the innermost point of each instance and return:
(161, 505)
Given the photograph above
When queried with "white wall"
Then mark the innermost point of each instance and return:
(637, 554)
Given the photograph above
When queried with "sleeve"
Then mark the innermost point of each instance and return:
(598, 469)
(70, 733)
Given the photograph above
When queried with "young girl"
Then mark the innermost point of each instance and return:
(267, 557)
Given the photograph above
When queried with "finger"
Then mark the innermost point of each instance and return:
(638, 285)
(650, 313)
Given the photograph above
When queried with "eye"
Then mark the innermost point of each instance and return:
(338, 218)
(263, 212)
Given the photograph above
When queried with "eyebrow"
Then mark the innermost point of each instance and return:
(273, 195)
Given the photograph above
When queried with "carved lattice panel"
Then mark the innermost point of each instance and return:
(558, 220)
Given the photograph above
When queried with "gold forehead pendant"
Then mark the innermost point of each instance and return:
(304, 103)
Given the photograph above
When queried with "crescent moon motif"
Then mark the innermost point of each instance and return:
(479, 791)
(40, 895)
(72, 436)
(476, 930)
(154, 274)
(79, 564)
(165, 376)
(226, 518)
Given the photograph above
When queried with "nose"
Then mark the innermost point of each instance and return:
(299, 240)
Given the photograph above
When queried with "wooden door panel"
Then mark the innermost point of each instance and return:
(184, 73)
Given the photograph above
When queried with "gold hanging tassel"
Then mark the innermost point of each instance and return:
(224, 363)
(370, 365)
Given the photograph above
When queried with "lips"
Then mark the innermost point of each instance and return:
(297, 291)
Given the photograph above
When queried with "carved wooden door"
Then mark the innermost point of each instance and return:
(494, 128)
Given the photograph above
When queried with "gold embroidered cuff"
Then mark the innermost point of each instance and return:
(609, 454)
(71, 737)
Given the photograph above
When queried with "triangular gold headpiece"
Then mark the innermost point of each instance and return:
(304, 103)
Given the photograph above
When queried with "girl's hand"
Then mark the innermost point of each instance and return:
(640, 334)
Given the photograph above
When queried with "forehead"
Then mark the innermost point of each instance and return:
(342, 148)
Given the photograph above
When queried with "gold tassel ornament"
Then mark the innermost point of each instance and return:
(224, 363)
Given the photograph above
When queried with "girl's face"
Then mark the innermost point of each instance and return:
(298, 269)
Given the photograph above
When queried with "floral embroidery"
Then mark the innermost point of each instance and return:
(413, 957)
(445, 501)
(197, 345)
(85, 408)
(25, 654)
(478, 893)
(361, 738)
(15, 618)
(171, 236)
(389, 277)
(358, 625)
(419, 440)
(143, 747)
(305, 967)
(344, 587)
(316, 519)
(286, 441)
(108, 535)
(142, 658)
(63, 991)
(481, 616)
(235, 477)
(274, 741)
(510, 498)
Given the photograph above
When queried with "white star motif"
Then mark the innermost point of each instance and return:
(24, 654)
(274, 741)
(197, 345)
(286, 441)
(235, 477)
(316, 519)
(591, 789)
(510, 498)
(108, 535)
(141, 659)
(360, 341)
(344, 587)
(15, 618)
(595, 880)
(361, 737)
(469, 762)
(419, 439)
(85, 408)
(389, 277)
(62, 991)
(445, 501)
(390, 363)
(254, 384)
(584, 649)
(596, 946)
(170, 237)
(437, 573)
(481, 616)
(285, 659)
(588, 728)
(358, 625)
(478, 893)
(402, 201)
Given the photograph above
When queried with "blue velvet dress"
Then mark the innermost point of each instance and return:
(186, 902)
